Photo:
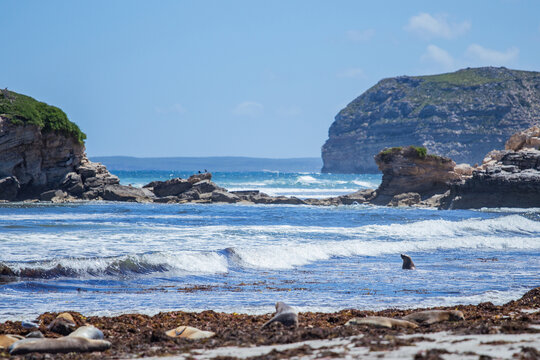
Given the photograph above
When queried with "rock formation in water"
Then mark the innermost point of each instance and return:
(461, 115)
(42, 154)
(412, 171)
(506, 178)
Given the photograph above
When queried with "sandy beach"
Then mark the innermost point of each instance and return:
(508, 331)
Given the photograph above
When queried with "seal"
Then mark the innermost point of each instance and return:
(380, 321)
(88, 332)
(7, 340)
(284, 314)
(407, 262)
(63, 324)
(65, 344)
(189, 333)
(435, 316)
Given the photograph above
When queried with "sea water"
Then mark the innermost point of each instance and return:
(106, 258)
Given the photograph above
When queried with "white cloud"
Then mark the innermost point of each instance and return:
(438, 56)
(429, 26)
(351, 73)
(360, 35)
(484, 56)
(248, 108)
(173, 109)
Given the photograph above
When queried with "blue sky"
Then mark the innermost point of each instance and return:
(245, 78)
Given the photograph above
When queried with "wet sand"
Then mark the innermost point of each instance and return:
(511, 330)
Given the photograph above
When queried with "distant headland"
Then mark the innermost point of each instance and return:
(462, 115)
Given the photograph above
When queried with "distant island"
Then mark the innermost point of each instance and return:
(462, 115)
(214, 163)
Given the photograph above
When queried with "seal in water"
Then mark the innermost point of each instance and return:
(60, 345)
(284, 314)
(434, 316)
(407, 262)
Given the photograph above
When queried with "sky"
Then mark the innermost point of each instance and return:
(241, 78)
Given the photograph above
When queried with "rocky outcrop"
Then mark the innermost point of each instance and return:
(412, 170)
(461, 115)
(506, 178)
(42, 154)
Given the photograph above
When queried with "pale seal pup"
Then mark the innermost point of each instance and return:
(407, 262)
(380, 321)
(88, 332)
(65, 344)
(284, 314)
(434, 316)
(189, 333)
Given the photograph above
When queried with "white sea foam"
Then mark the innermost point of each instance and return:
(306, 179)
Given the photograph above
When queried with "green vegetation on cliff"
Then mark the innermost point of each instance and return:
(22, 109)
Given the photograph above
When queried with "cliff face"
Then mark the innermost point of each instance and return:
(41, 150)
(506, 178)
(412, 170)
(462, 115)
(38, 160)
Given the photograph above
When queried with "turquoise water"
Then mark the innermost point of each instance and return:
(111, 258)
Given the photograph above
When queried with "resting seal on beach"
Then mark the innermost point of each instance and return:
(284, 314)
(434, 316)
(380, 321)
(407, 262)
(65, 344)
(189, 333)
(88, 332)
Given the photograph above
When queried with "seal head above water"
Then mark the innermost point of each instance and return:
(284, 314)
(407, 262)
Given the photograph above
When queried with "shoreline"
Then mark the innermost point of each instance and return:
(513, 327)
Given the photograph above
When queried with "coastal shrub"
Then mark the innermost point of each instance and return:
(21, 109)
(421, 151)
(386, 154)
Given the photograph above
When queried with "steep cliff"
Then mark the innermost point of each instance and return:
(462, 115)
(41, 150)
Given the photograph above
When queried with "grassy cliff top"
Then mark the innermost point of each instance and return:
(22, 109)
(477, 76)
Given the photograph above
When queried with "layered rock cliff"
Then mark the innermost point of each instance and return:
(506, 178)
(41, 151)
(410, 170)
(462, 115)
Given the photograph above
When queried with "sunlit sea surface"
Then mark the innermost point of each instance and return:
(109, 258)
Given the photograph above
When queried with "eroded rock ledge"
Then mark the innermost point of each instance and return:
(506, 178)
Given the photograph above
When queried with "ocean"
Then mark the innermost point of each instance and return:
(105, 258)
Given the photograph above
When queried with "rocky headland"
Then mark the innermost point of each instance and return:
(506, 178)
(461, 115)
(42, 158)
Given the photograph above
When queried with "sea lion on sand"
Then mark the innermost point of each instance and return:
(407, 262)
(434, 316)
(61, 345)
(7, 340)
(380, 321)
(284, 314)
(189, 333)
